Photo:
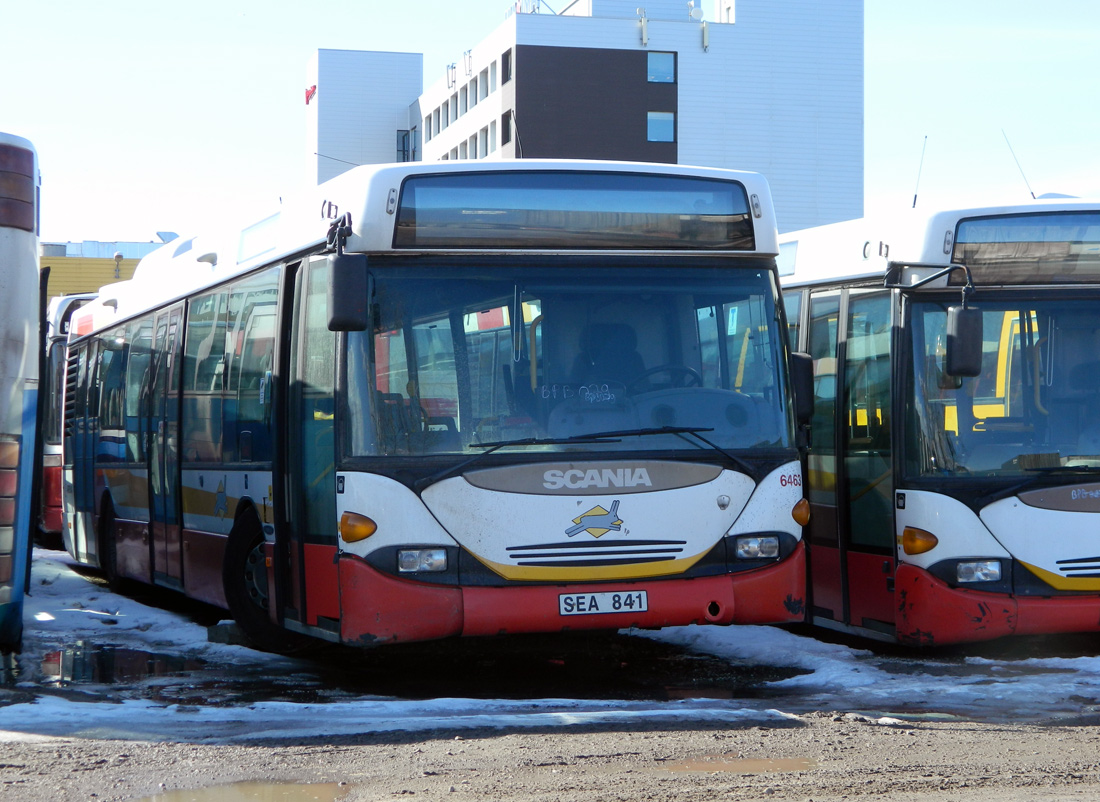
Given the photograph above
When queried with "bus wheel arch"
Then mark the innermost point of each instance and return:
(107, 542)
(245, 583)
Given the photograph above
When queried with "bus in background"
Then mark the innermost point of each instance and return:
(20, 354)
(58, 313)
(462, 400)
(954, 464)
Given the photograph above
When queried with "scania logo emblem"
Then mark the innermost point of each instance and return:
(597, 521)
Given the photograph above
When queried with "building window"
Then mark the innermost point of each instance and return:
(662, 68)
(435, 122)
(473, 91)
(462, 108)
(427, 129)
(506, 67)
(492, 77)
(404, 146)
(462, 152)
(454, 107)
(483, 143)
(662, 126)
(493, 136)
(483, 85)
(506, 128)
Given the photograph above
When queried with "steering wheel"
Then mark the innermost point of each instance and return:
(689, 376)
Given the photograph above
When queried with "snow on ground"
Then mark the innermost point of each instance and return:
(65, 607)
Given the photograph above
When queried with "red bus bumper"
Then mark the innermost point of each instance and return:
(932, 613)
(379, 608)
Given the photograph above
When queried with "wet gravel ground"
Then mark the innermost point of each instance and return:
(823, 746)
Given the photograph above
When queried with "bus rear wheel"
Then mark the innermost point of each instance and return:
(244, 579)
(108, 547)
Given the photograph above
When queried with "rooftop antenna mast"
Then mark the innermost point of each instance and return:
(920, 167)
(1021, 169)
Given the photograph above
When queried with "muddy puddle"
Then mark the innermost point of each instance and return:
(613, 667)
(258, 792)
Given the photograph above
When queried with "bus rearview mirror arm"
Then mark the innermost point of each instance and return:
(963, 355)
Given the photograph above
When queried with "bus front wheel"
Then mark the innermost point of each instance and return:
(244, 579)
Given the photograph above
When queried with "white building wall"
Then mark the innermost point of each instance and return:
(779, 92)
(362, 101)
(486, 56)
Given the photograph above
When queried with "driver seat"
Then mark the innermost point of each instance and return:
(608, 353)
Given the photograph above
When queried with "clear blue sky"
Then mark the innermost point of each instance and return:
(154, 116)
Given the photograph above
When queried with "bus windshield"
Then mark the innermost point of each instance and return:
(474, 355)
(1036, 405)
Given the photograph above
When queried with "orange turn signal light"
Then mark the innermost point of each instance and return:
(355, 527)
(917, 541)
(801, 512)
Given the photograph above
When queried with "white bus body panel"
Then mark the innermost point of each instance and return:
(961, 532)
(1040, 538)
(456, 512)
(772, 503)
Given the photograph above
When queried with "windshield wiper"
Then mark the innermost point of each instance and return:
(1040, 474)
(683, 432)
(1055, 469)
(616, 436)
(420, 484)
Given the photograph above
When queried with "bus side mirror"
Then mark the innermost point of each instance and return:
(349, 291)
(964, 341)
(802, 384)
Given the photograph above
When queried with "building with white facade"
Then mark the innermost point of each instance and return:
(764, 85)
(356, 102)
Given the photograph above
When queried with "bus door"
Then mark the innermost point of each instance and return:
(163, 451)
(311, 572)
(851, 482)
(80, 448)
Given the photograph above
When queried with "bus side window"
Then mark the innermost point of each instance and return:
(112, 393)
(203, 371)
(140, 336)
(249, 354)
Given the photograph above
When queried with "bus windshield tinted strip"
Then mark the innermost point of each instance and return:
(573, 211)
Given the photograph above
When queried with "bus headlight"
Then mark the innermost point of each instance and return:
(415, 560)
(757, 548)
(979, 571)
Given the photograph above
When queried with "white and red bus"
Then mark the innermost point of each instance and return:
(58, 313)
(452, 399)
(954, 464)
(20, 354)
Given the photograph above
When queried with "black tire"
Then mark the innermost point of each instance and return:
(107, 538)
(244, 579)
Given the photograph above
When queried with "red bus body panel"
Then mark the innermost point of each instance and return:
(932, 613)
(51, 499)
(379, 608)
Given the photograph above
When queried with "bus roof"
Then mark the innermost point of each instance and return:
(370, 194)
(939, 232)
(857, 251)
